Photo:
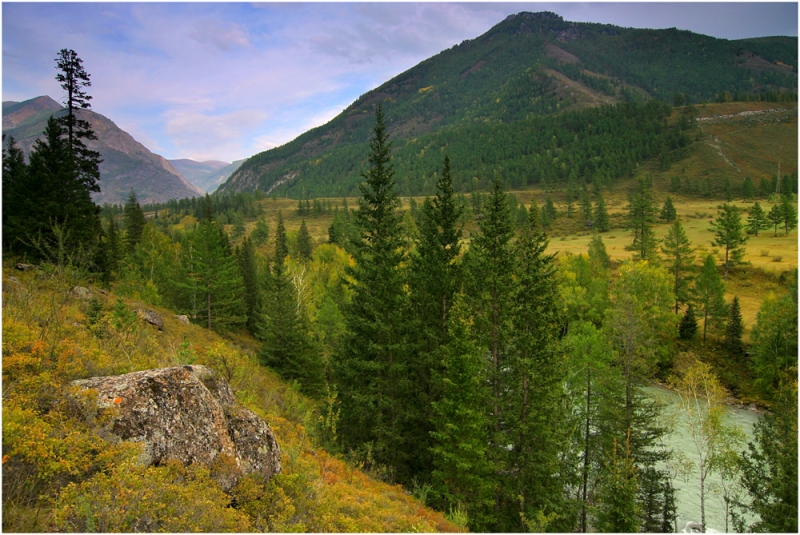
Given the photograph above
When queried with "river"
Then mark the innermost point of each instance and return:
(687, 492)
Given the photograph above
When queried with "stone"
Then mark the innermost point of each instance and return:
(80, 292)
(25, 267)
(151, 317)
(186, 413)
(183, 318)
(10, 284)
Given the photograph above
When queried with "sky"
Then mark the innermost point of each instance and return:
(225, 81)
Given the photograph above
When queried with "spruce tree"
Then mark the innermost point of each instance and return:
(748, 189)
(709, 292)
(248, 269)
(533, 417)
(679, 258)
(586, 204)
(434, 279)
(281, 246)
(17, 222)
(370, 366)
(668, 212)
(756, 220)
(688, 326)
(462, 473)
(288, 347)
(133, 222)
(214, 280)
(641, 212)
(734, 329)
(304, 245)
(597, 252)
(729, 233)
(56, 197)
(601, 222)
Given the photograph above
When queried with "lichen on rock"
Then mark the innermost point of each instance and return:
(186, 413)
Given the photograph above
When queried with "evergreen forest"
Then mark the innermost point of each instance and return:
(441, 363)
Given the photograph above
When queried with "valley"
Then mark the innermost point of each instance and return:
(453, 307)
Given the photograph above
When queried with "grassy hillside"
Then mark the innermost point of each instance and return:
(55, 464)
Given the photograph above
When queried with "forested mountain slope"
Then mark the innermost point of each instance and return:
(127, 164)
(513, 103)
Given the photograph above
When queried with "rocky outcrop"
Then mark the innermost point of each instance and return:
(151, 317)
(186, 413)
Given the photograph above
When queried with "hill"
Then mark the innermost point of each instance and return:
(52, 457)
(535, 100)
(206, 175)
(127, 164)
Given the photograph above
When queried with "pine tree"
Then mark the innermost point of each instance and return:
(601, 222)
(133, 222)
(775, 217)
(756, 220)
(668, 212)
(304, 246)
(688, 326)
(729, 233)
(734, 329)
(73, 78)
(641, 212)
(789, 214)
(370, 367)
(679, 255)
(709, 292)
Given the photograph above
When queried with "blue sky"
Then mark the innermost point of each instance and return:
(225, 81)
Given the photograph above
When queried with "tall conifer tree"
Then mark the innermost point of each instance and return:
(679, 259)
(370, 369)
(729, 233)
(434, 279)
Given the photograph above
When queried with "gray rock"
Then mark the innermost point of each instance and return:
(186, 413)
(25, 267)
(10, 284)
(151, 317)
(183, 318)
(81, 293)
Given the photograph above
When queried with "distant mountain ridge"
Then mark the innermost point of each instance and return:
(206, 175)
(529, 66)
(127, 164)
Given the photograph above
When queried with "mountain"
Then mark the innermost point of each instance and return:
(488, 102)
(206, 175)
(127, 164)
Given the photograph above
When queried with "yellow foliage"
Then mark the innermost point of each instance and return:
(53, 454)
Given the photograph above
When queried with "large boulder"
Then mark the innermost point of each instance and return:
(186, 413)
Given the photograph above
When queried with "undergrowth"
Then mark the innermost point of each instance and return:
(60, 475)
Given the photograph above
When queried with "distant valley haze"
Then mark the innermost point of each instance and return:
(225, 81)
